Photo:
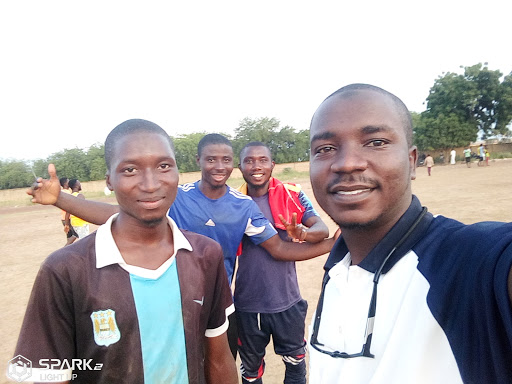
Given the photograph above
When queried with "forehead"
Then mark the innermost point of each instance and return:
(222, 150)
(256, 151)
(140, 144)
(355, 111)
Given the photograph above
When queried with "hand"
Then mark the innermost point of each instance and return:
(46, 192)
(297, 232)
(66, 228)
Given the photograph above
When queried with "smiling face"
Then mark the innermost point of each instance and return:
(216, 163)
(256, 166)
(361, 164)
(144, 176)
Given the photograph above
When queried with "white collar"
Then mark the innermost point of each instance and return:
(107, 252)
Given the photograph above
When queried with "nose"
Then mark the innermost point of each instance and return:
(150, 181)
(348, 159)
(257, 164)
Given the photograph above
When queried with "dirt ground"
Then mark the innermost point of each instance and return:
(29, 234)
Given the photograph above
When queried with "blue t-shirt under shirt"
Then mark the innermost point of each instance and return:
(224, 220)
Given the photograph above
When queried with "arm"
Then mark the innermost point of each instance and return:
(313, 231)
(47, 192)
(286, 251)
(219, 365)
(67, 222)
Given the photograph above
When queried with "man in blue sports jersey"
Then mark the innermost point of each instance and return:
(208, 207)
(119, 299)
(267, 297)
(406, 297)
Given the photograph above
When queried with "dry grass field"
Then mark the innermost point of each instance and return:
(29, 233)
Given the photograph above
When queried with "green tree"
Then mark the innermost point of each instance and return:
(504, 107)
(262, 129)
(186, 150)
(475, 97)
(71, 163)
(15, 174)
(286, 145)
(442, 132)
(96, 162)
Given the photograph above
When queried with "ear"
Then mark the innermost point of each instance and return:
(107, 179)
(197, 161)
(273, 165)
(413, 158)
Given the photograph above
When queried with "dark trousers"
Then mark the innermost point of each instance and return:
(287, 331)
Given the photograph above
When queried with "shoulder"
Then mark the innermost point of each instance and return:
(187, 187)
(451, 239)
(293, 187)
(73, 259)
(236, 195)
(203, 243)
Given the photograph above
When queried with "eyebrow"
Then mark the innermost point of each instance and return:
(370, 129)
(366, 130)
(323, 136)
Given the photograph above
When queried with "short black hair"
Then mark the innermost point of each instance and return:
(129, 127)
(405, 115)
(72, 183)
(212, 138)
(255, 144)
(63, 181)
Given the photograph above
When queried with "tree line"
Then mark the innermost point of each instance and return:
(287, 145)
(464, 107)
(460, 108)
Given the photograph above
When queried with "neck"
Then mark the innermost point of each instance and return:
(360, 242)
(257, 191)
(126, 227)
(212, 193)
(141, 244)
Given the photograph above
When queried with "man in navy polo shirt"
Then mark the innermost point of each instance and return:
(407, 297)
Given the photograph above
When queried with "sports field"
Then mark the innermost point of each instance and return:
(30, 233)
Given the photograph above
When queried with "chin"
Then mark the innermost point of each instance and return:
(343, 223)
(153, 222)
(257, 186)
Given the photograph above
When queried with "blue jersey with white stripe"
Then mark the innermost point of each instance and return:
(224, 220)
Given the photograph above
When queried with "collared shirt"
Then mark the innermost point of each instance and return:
(118, 316)
(443, 314)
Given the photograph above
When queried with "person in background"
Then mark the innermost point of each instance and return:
(487, 157)
(481, 154)
(467, 157)
(71, 235)
(73, 223)
(267, 298)
(407, 297)
(429, 163)
(453, 155)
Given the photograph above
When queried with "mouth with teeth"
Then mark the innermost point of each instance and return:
(218, 177)
(354, 192)
(257, 176)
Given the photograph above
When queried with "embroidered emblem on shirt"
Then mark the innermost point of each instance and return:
(201, 302)
(210, 223)
(105, 328)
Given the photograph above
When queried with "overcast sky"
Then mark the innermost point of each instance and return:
(71, 71)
